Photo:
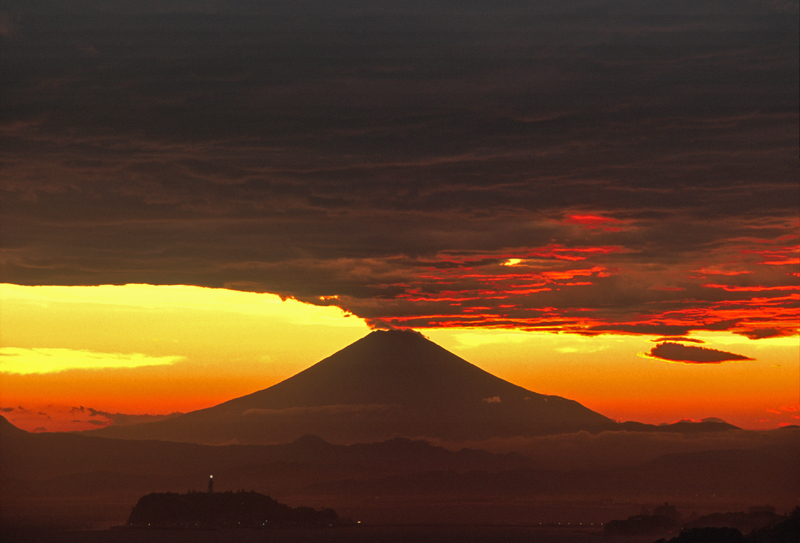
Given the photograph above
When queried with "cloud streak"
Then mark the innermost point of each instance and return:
(23, 361)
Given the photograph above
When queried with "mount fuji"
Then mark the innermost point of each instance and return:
(387, 384)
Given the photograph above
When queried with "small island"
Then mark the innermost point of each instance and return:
(224, 510)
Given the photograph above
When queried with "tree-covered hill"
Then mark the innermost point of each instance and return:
(222, 510)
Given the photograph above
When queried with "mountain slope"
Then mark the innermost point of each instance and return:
(387, 384)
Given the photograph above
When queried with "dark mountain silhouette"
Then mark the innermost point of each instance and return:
(76, 480)
(89, 480)
(680, 427)
(746, 475)
(48, 456)
(9, 431)
(387, 384)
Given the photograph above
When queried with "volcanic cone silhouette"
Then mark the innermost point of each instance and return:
(387, 384)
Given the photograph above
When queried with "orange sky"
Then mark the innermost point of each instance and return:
(138, 349)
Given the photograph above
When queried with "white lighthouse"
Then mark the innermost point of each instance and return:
(210, 484)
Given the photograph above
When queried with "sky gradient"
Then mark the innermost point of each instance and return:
(82, 357)
(578, 171)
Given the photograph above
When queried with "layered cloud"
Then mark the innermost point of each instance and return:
(336, 409)
(548, 166)
(52, 417)
(576, 451)
(105, 418)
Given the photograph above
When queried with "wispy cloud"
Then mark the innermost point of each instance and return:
(48, 360)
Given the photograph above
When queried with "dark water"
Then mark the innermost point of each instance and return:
(361, 534)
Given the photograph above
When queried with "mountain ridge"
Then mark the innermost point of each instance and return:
(87, 480)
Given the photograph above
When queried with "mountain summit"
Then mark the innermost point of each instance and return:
(387, 384)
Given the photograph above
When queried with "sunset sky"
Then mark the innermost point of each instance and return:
(593, 199)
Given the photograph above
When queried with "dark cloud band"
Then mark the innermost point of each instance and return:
(543, 165)
(689, 354)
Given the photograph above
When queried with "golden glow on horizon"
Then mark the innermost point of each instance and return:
(220, 344)
(605, 374)
(213, 345)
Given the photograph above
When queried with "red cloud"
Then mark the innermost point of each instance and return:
(592, 222)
